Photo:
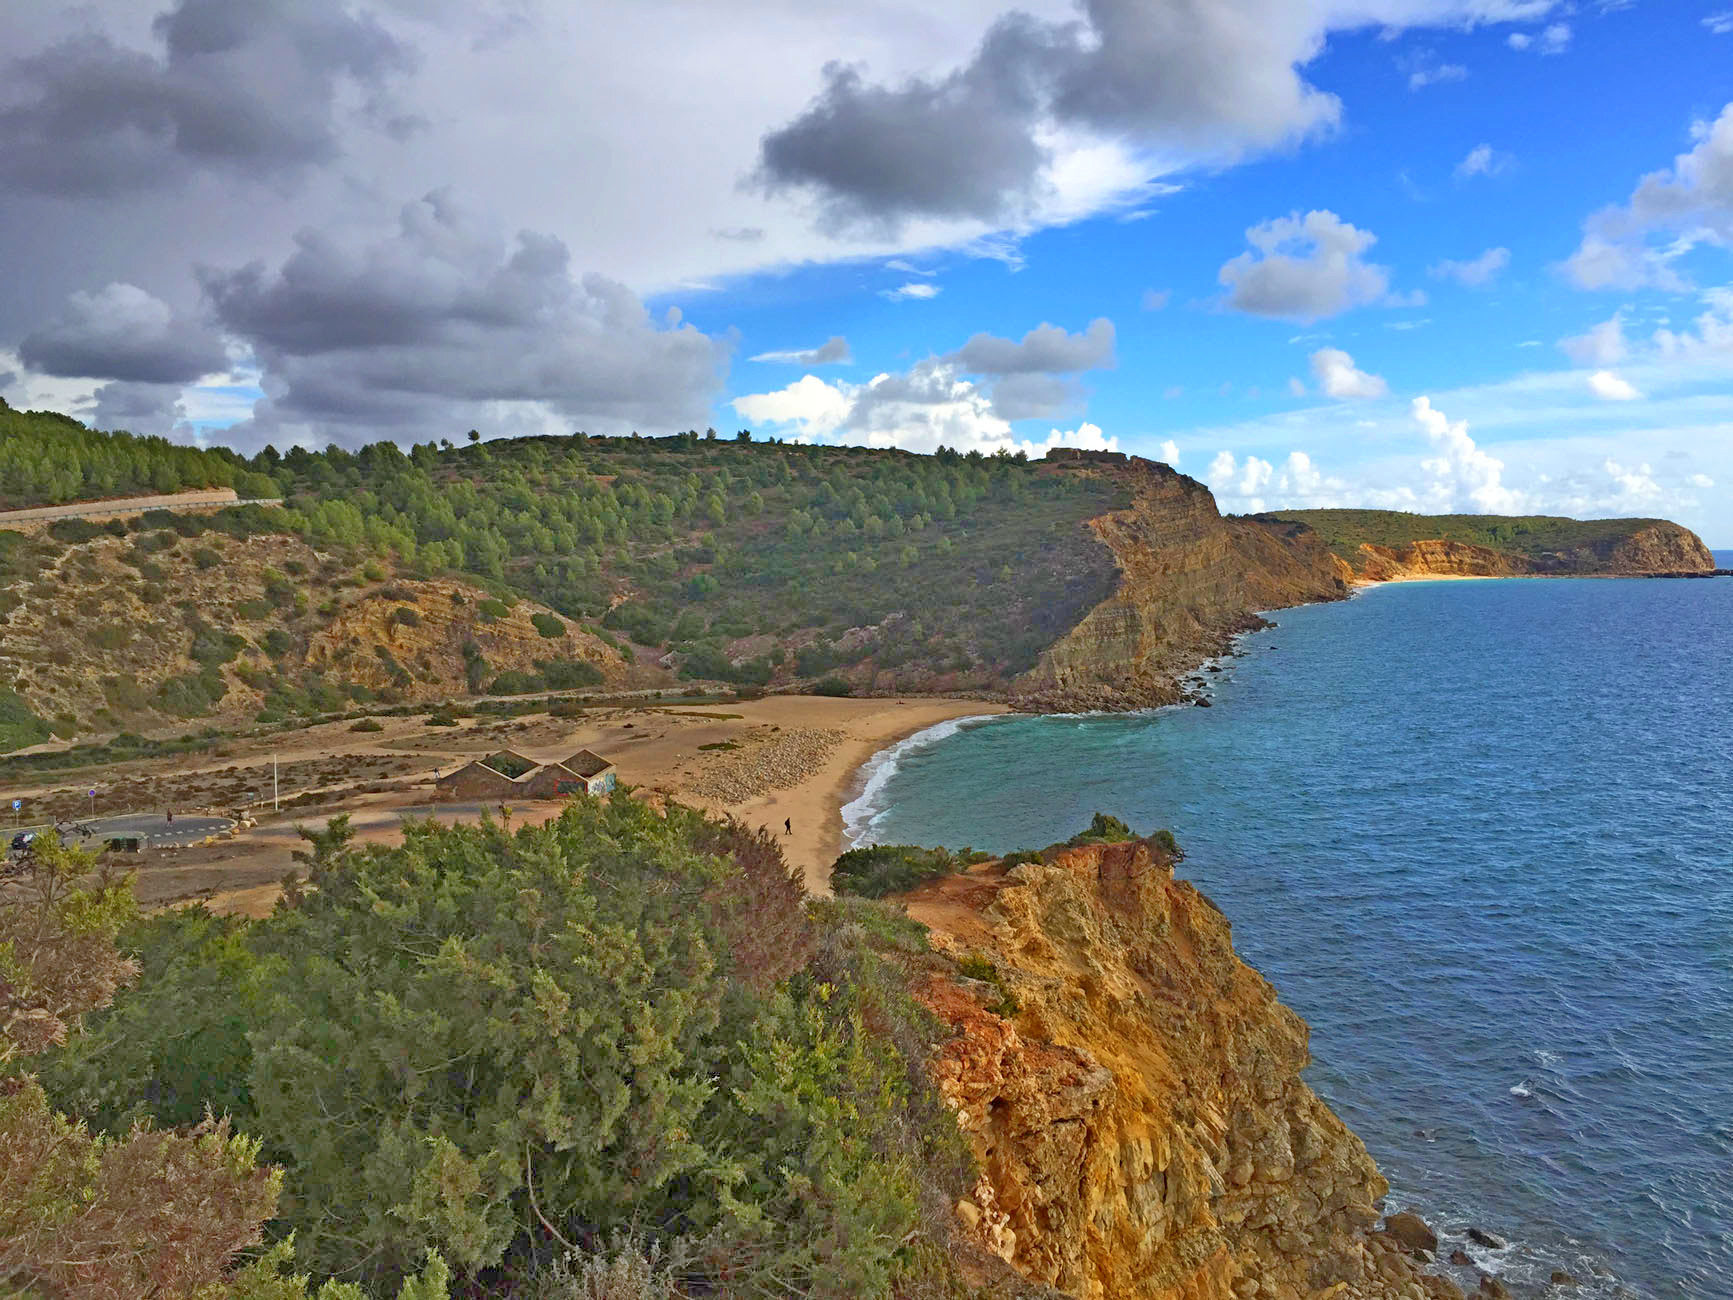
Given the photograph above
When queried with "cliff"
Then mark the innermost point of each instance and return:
(1188, 580)
(1132, 1092)
(1378, 545)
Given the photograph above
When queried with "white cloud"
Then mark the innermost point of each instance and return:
(1086, 436)
(1712, 339)
(1475, 272)
(906, 267)
(1254, 484)
(1304, 269)
(1434, 73)
(1555, 38)
(1607, 386)
(1336, 375)
(1602, 345)
(1720, 23)
(914, 289)
(1169, 452)
(1483, 160)
(1701, 481)
(1691, 201)
(809, 403)
(1462, 475)
(1296, 386)
(1635, 485)
(1155, 299)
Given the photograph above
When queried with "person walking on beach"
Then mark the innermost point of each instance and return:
(787, 826)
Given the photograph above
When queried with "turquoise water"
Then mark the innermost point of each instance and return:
(1479, 835)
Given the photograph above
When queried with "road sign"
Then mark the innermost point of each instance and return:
(17, 804)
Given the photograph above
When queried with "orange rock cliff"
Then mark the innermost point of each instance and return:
(1132, 1092)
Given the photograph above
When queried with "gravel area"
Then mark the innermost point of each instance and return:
(764, 761)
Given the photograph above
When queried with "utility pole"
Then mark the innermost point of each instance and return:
(274, 807)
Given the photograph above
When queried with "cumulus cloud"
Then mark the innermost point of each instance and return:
(1483, 160)
(1215, 79)
(1254, 484)
(1602, 345)
(915, 290)
(1304, 269)
(1691, 201)
(1463, 477)
(1474, 272)
(833, 351)
(1336, 375)
(1044, 348)
(442, 322)
(1607, 386)
(926, 407)
(121, 332)
(253, 89)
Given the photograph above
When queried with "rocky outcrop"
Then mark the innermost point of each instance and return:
(1657, 547)
(1188, 581)
(1132, 1091)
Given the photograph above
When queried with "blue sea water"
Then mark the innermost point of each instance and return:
(1480, 835)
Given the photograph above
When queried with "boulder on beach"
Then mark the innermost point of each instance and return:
(1410, 1232)
(1492, 1241)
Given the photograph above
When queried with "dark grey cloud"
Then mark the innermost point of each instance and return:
(146, 409)
(960, 146)
(444, 321)
(1215, 77)
(833, 351)
(1032, 396)
(1046, 348)
(123, 333)
(247, 86)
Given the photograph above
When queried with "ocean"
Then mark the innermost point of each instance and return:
(1479, 835)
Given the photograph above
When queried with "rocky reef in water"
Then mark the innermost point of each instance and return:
(1132, 1093)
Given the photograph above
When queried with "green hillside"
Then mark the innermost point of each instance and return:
(751, 561)
(1533, 536)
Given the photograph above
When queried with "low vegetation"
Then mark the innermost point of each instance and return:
(618, 1055)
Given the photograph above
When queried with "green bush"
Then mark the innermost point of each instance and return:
(836, 686)
(491, 610)
(881, 869)
(205, 558)
(368, 724)
(19, 727)
(548, 625)
(74, 531)
(404, 616)
(569, 674)
(1102, 830)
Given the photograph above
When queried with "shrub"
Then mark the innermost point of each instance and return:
(548, 625)
(491, 610)
(404, 616)
(205, 558)
(368, 724)
(836, 686)
(19, 727)
(568, 674)
(74, 531)
(881, 869)
(1102, 830)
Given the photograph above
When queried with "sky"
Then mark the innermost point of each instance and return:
(1432, 255)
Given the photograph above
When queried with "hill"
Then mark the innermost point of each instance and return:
(1085, 580)
(1391, 543)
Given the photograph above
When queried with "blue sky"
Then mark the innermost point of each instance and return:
(1413, 263)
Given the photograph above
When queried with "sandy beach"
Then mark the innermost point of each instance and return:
(785, 763)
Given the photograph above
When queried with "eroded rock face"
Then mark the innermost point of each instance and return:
(1140, 1117)
(1660, 548)
(1189, 579)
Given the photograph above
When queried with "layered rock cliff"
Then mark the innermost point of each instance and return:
(1658, 548)
(1132, 1091)
(1189, 579)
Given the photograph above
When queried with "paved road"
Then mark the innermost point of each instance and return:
(155, 830)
